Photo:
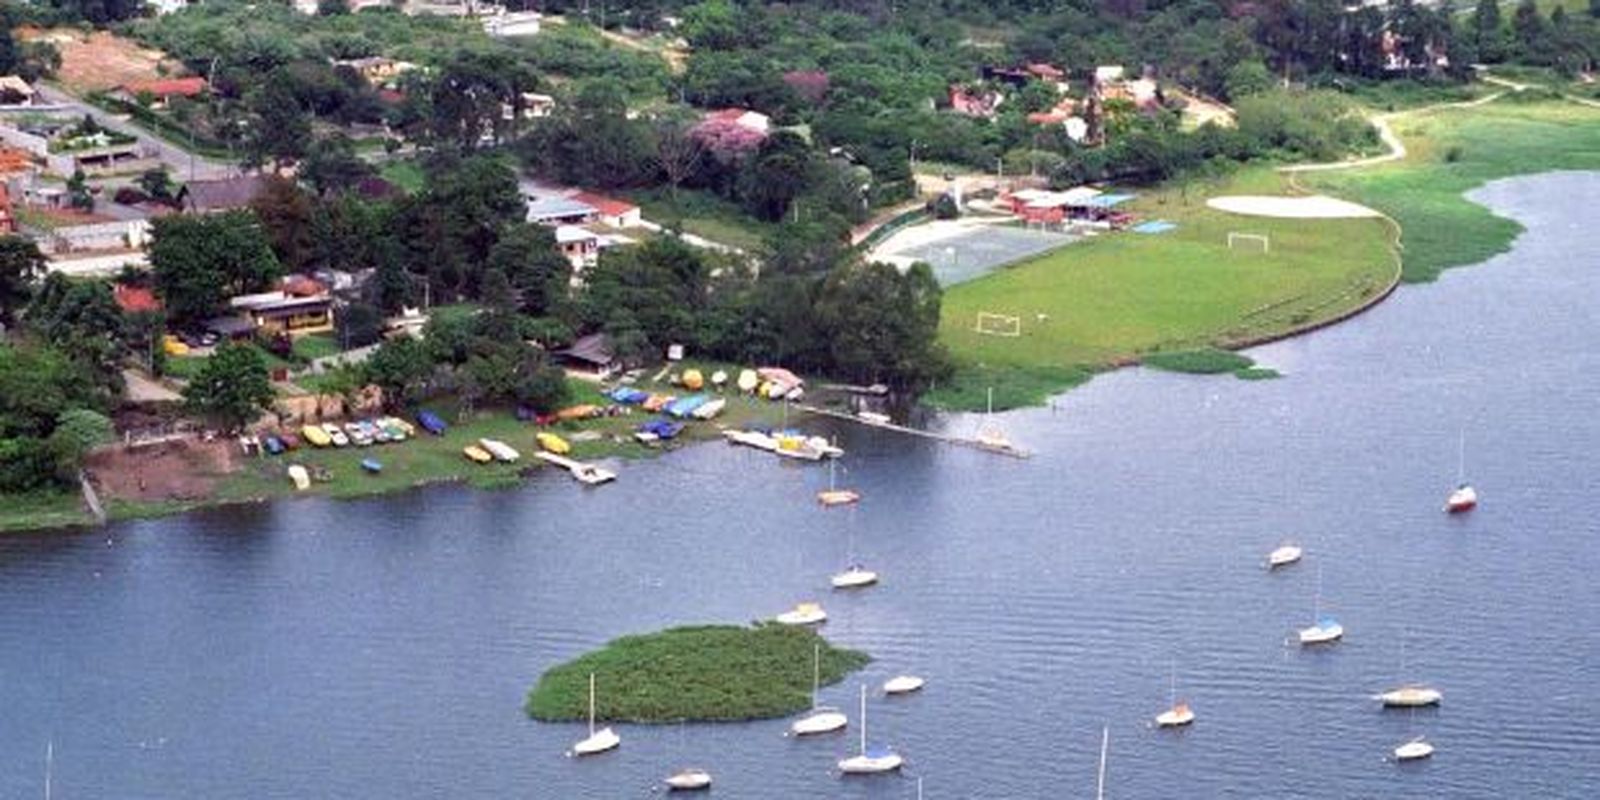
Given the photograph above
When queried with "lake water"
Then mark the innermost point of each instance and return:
(382, 648)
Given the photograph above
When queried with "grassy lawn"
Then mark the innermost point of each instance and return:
(704, 673)
(703, 214)
(1113, 299)
(317, 345)
(35, 510)
(1453, 151)
(406, 174)
(186, 367)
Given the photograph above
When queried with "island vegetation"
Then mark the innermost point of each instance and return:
(710, 673)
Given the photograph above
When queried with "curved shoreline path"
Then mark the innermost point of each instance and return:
(1397, 148)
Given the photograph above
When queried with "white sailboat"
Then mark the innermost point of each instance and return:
(1177, 714)
(1105, 744)
(1324, 629)
(804, 614)
(904, 684)
(870, 761)
(821, 719)
(1413, 750)
(854, 576)
(597, 741)
(1411, 695)
(1285, 555)
(687, 778)
(833, 495)
(49, 765)
(1464, 497)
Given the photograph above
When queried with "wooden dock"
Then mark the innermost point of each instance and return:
(959, 441)
(591, 474)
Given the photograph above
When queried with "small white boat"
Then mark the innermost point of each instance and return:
(597, 741)
(710, 410)
(756, 439)
(870, 761)
(990, 436)
(1413, 750)
(500, 450)
(1411, 697)
(873, 417)
(903, 684)
(820, 719)
(300, 477)
(826, 448)
(1326, 631)
(804, 614)
(1179, 714)
(854, 577)
(833, 495)
(1284, 556)
(592, 475)
(688, 779)
(796, 447)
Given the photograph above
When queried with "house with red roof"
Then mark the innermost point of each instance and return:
(613, 212)
(160, 92)
(135, 299)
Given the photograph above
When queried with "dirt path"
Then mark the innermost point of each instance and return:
(1386, 134)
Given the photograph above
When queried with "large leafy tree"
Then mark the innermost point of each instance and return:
(882, 325)
(527, 256)
(285, 212)
(471, 93)
(199, 262)
(279, 128)
(231, 387)
(331, 165)
(448, 231)
(401, 368)
(21, 264)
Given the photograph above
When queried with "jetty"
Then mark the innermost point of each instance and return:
(591, 474)
(976, 443)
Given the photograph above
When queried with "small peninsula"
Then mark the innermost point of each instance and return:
(703, 673)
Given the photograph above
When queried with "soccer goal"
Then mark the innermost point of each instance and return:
(998, 324)
(1253, 239)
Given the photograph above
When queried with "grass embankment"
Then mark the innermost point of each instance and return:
(36, 510)
(703, 214)
(719, 673)
(1453, 151)
(1119, 298)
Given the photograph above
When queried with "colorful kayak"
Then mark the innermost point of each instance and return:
(553, 443)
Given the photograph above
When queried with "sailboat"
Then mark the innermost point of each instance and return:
(1179, 714)
(1325, 629)
(821, 719)
(989, 434)
(1414, 749)
(854, 576)
(598, 741)
(1285, 555)
(870, 761)
(1464, 498)
(1105, 743)
(1411, 695)
(49, 765)
(833, 495)
(688, 778)
(904, 684)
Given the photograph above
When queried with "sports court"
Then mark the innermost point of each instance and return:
(959, 250)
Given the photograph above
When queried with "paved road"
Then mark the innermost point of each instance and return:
(177, 159)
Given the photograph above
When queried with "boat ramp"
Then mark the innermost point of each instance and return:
(591, 474)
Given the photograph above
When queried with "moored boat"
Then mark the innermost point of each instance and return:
(1412, 696)
(904, 684)
(804, 614)
(597, 741)
(870, 760)
(854, 577)
(688, 779)
(1413, 750)
(1284, 556)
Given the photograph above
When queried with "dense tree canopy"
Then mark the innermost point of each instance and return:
(201, 261)
(231, 387)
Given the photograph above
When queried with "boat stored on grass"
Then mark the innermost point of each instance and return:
(583, 411)
(684, 406)
(477, 454)
(372, 465)
(431, 423)
(552, 443)
(711, 409)
(500, 450)
(658, 430)
(336, 436)
(299, 477)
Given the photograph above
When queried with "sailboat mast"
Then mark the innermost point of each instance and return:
(1172, 685)
(1105, 742)
(1461, 458)
(591, 704)
(49, 765)
(863, 719)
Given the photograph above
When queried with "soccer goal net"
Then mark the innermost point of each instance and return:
(998, 324)
(1253, 240)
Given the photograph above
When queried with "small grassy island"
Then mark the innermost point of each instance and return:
(703, 673)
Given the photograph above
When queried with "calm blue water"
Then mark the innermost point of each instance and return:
(381, 649)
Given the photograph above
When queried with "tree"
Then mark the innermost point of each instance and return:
(21, 264)
(780, 171)
(199, 262)
(359, 325)
(1248, 77)
(99, 12)
(401, 368)
(883, 326)
(526, 255)
(1532, 34)
(331, 165)
(280, 129)
(333, 8)
(83, 320)
(231, 388)
(1488, 31)
(78, 431)
(472, 92)
(284, 212)
(679, 152)
(156, 184)
(78, 194)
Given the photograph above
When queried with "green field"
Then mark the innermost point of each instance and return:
(1453, 151)
(1113, 299)
(706, 673)
(36, 510)
(703, 214)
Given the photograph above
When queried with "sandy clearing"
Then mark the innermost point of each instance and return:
(1313, 207)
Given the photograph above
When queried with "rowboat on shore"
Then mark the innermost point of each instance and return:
(553, 443)
(477, 454)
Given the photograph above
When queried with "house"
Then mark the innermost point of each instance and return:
(219, 194)
(376, 70)
(980, 103)
(589, 358)
(512, 23)
(67, 142)
(282, 312)
(537, 105)
(135, 299)
(557, 209)
(610, 211)
(742, 117)
(14, 91)
(161, 92)
(580, 246)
